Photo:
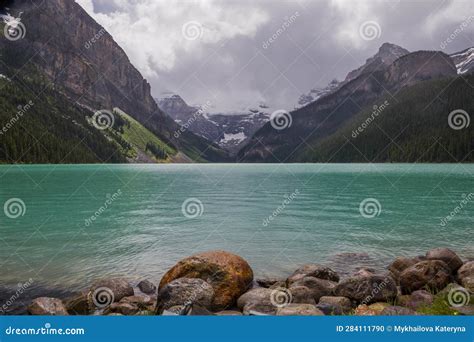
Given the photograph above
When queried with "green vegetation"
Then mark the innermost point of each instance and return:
(39, 125)
(417, 121)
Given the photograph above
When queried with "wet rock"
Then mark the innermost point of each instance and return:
(142, 302)
(368, 289)
(269, 282)
(453, 261)
(125, 309)
(364, 310)
(228, 274)
(299, 310)
(465, 275)
(432, 274)
(468, 283)
(364, 272)
(78, 304)
(184, 290)
(394, 310)
(261, 296)
(107, 291)
(147, 287)
(259, 309)
(419, 299)
(45, 306)
(399, 265)
(317, 287)
(301, 294)
(332, 305)
(313, 270)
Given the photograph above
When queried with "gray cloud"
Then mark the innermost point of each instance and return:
(269, 51)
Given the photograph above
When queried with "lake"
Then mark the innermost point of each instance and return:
(83, 222)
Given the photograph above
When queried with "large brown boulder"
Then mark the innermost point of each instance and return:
(367, 289)
(465, 275)
(228, 274)
(399, 265)
(335, 305)
(107, 291)
(448, 256)
(45, 306)
(429, 274)
(182, 291)
(313, 270)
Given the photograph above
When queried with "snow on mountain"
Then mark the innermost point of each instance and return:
(464, 60)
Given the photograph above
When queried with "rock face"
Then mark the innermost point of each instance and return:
(448, 256)
(183, 290)
(45, 306)
(313, 270)
(228, 274)
(367, 289)
(433, 274)
(106, 291)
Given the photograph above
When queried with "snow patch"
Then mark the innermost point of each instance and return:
(231, 137)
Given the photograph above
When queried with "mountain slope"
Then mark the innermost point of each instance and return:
(323, 117)
(418, 123)
(464, 60)
(84, 62)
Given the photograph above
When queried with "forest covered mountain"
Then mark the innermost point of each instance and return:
(79, 60)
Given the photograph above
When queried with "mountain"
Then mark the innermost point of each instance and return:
(415, 128)
(325, 116)
(228, 130)
(83, 62)
(464, 61)
(317, 93)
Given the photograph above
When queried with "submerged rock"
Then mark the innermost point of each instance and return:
(432, 274)
(182, 291)
(46, 306)
(228, 274)
(367, 289)
(453, 261)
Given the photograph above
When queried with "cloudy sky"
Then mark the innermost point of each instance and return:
(236, 54)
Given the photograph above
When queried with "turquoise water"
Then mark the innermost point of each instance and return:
(143, 231)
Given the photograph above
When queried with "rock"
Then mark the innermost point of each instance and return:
(419, 299)
(107, 291)
(45, 306)
(318, 287)
(140, 301)
(183, 290)
(301, 294)
(368, 289)
(335, 305)
(432, 274)
(299, 310)
(394, 310)
(399, 265)
(147, 287)
(453, 261)
(364, 272)
(364, 310)
(256, 309)
(403, 300)
(378, 307)
(257, 297)
(125, 309)
(269, 282)
(465, 310)
(228, 274)
(229, 313)
(79, 304)
(468, 283)
(466, 271)
(313, 270)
